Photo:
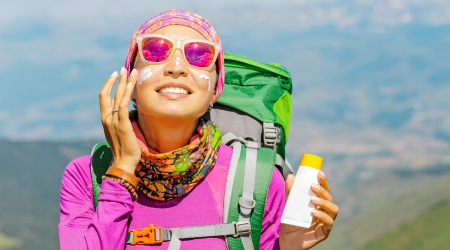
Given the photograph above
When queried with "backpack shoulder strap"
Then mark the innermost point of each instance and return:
(251, 166)
(101, 158)
(283, 166)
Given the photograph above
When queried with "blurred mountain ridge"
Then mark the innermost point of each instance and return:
(427, 231)
(29, 190)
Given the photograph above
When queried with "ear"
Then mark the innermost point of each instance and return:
(214, 97)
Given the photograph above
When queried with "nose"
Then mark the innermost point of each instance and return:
(176, 66)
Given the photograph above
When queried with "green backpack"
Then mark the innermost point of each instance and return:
(253, 114)
(255, 104)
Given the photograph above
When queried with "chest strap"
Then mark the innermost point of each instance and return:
(152, 235)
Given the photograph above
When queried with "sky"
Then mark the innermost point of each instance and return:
(371, 77)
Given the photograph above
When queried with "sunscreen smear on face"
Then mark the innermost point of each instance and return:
(298, 207)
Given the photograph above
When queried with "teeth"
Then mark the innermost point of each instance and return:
(174, 90)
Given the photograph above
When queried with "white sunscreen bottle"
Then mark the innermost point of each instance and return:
(298, 207)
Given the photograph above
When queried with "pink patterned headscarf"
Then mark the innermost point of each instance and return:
(184, 18)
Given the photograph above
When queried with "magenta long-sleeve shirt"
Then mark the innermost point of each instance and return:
(83, 228)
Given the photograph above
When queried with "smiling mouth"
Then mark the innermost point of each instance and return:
(174, 90)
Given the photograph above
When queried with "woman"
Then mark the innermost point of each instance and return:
(173, 76)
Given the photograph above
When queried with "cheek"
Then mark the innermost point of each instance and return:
(203, 76)
(144, 75)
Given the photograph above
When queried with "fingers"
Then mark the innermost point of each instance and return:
(331, 208)
(323, 181)
(324, 217)
(123, 106)
(321, 192)
(105, 99)
(288, 185)
(120, 88)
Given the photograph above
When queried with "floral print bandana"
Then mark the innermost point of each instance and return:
(170, 175)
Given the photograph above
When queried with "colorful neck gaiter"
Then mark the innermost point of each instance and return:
(170, 175)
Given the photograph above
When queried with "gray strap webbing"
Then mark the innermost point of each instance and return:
(228, 137)
(246, 202)
(230, 179)
(247, 242)
(175, 234)
(175, 243)
(289, 166)
(285, 166)
(205, 231)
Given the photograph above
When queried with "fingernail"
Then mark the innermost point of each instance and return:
(133, 73)
(322, 174)
(114, 74)
(123, 71)
(315, 212)
(315, 199)
(129, 85)
(315, 186)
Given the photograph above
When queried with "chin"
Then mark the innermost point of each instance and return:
(175, 111)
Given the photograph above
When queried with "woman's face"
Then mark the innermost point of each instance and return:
(154, 79)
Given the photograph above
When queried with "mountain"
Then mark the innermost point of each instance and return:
(29, 191)
(427, 231)
(383, 205)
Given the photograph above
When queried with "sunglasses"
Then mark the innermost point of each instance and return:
(157, 49)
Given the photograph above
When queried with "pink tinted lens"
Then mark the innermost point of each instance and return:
(156, 49)
(199, 54)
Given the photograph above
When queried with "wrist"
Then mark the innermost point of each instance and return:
(130, 168)
(126, 184)
(286, 245)
(124, 175)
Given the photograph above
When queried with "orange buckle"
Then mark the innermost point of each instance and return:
(146, 236)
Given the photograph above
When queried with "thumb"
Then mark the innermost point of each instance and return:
(288, 184)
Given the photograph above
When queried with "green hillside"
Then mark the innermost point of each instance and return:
(8, 242)
(387, 216)
(429, 231)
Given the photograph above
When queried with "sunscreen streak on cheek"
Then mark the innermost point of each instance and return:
(203, 76)
(178, 63)
(144, 75)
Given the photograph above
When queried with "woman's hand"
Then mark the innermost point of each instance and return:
(117, 125)
(293, 237)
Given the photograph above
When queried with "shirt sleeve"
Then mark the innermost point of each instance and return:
(272, 212)
(80, 226)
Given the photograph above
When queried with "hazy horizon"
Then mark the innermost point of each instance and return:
(369, 77)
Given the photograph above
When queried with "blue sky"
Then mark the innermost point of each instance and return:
(371, 77)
